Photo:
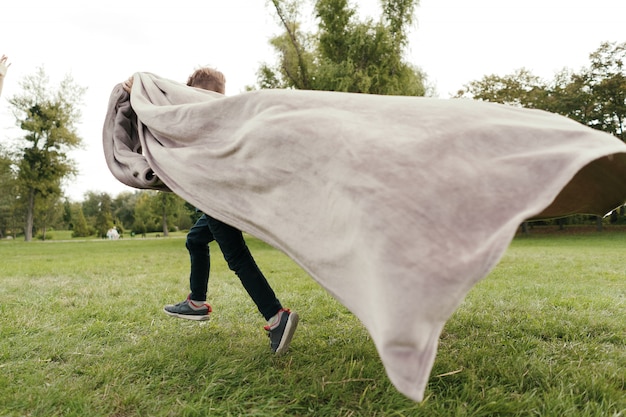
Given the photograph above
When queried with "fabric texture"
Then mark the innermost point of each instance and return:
(395, 205)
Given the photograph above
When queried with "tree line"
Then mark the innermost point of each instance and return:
(131, 213)
(345, 54)
(594, 95)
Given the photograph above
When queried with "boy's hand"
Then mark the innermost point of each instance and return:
(128, 85)
(3, 66)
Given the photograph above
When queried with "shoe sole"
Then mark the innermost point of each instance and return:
(290, 329)
(187, 316)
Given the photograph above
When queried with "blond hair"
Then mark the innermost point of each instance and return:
(208, 79)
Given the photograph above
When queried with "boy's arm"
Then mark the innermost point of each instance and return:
(3, 70)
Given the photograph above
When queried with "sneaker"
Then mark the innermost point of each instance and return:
(281, 333)
(188, 310)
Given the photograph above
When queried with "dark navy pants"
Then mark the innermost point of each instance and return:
(238, 257)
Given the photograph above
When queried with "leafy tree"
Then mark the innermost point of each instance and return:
(98, 211)
(104, 216)
(345, 54)
(607, 82)
(521, 88)
(48, 213)
(595, 96)
(91, 204)
(80, 226)
(49, 118)
(67, 215)
(146, 220)
(186, 215)
(8, 194)
(571, 96)
(124, 208)
(165, 205)
(174, 212)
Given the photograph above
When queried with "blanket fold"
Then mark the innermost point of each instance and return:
(396, 205)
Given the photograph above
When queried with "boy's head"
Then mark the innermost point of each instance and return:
(208, 79)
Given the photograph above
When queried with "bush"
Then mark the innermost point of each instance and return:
(49, 236)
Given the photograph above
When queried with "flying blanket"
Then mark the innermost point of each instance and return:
(395, 205)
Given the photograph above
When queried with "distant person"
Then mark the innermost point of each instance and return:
(281, 322)
(3, 70)
(113, 234)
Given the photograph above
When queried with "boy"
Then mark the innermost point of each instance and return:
(281, 322)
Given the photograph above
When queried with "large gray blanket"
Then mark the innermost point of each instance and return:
(395, 205)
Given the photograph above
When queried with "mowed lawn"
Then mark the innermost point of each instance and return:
(82, 333)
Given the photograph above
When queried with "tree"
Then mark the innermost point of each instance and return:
(571, 96)
(124, 207)
(165, 204)
(48, 212)
(80, 227)
(91, 205)
(345, 54)
(104, 216)
(67, 215)
(171, 210)
(98, 210)
(49, 118)
(521, 88)
(8, 194)
(146, 219)
(594, 96)
(186, 216)
(607, 82)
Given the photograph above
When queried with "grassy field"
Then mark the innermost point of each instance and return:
(82, 334)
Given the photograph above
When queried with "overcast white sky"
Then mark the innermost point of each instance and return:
(102, 43)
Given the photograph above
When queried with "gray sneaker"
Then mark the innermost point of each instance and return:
(281, 334)
(187, 310)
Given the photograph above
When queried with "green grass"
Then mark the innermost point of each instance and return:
(58, 235)
(82, 334)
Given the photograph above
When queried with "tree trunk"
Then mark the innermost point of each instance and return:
(165, 230)
(30, 216)
(525, 228)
